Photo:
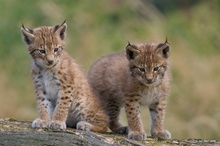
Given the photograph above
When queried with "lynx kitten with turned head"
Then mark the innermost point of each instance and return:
(137, 76)
(64, 97)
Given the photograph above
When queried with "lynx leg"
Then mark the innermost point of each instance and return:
(114, 124)
(136, 129)
(44, 107)
(157, 113)
(61, 111)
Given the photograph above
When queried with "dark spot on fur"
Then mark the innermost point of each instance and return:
(127, 105)
(131, 100)
(64, 87)
(39, 77)
(54, 78)
(42, 99)
(132, 108)
(77, 104)
(44, 92)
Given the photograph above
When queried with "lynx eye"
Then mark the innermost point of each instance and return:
(142, 69)
(156, 68)
(56, 49)
(42, 51)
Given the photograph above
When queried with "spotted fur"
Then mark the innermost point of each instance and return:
(135, 77)
(63, 95)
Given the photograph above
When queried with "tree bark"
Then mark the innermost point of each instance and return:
(20, 133)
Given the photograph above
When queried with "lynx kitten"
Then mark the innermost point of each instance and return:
(136, 77)
(64, 97)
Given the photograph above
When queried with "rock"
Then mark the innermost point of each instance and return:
(20, 133)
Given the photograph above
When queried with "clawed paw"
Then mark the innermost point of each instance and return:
(134, 135)
(121, 130)
(58, 125)
(83, 126)
(165, 134)
(39, 123)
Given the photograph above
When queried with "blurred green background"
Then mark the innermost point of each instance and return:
(101, 27)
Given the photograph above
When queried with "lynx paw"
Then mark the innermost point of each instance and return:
(58, 125)
(165, 134)
(39, 123)
(134, 135)
(83, 126)
(121, 130)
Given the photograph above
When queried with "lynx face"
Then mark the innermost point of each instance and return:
(148, 63)
(45, 44)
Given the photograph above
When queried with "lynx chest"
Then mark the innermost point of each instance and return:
(149, 96)
(51, 84)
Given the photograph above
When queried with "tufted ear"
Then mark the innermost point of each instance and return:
(132, 51)
(28, 35)
(60, 30)
(164, 49)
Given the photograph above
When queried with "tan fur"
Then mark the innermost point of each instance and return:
(133, 78)
(63, 94)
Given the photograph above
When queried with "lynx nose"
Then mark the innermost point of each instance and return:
(149, 81)
(50, 61)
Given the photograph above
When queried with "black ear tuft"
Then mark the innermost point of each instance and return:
(132, 51)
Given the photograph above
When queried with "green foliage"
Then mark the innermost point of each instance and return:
(97, 28)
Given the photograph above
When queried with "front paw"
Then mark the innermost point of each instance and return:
(82, 125)
(121, 130)
(39, 123)
(58, 125)
(135, 135)
(165, 134)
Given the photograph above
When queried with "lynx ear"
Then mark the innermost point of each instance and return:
(27, 34)
(60, 30)
(164, 49)
(132, 51)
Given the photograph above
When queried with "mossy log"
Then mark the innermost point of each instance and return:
(20, 133)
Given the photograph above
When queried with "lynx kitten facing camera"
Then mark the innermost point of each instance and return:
(131, 78)
(64, 97)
